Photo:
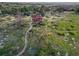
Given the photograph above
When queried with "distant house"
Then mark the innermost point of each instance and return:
(37, 18)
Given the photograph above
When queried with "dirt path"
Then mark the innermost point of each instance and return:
(26, 35)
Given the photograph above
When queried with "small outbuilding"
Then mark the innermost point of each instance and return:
(37, 18)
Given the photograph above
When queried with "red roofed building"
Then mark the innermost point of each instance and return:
(37, 18)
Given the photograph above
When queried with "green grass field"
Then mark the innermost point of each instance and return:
(60, 37)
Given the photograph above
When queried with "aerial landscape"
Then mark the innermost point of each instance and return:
(39, 29)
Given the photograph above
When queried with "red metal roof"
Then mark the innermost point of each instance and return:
(37, 18)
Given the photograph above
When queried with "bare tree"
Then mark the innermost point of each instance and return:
(18, 18)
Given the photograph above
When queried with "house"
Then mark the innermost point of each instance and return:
(37, 18)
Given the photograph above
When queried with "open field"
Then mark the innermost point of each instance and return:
(57, 35)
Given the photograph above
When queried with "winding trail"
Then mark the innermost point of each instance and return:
(26, 35)
(26, 41)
